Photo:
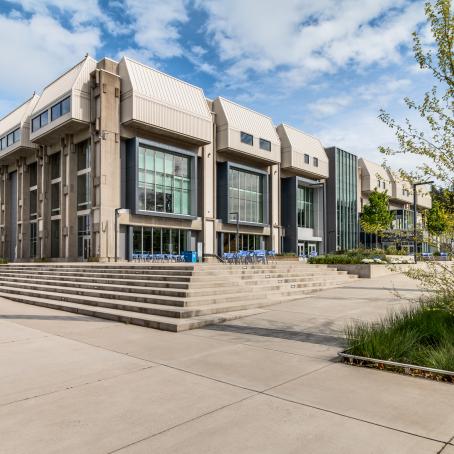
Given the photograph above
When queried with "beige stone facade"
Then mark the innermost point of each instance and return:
(119, 159)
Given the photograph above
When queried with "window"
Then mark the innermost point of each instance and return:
(245, 196)
(33, 239)
(16, 135)
(55, 199)
(245, 242)
(246, 138)
(33, 207)
(54, 164)
(154, 240)
(306, 159)
(60, 108)
(305, 207)
(265, 145)
(55, 238)
(83, 191)
(83, 155)
(83, 150)
(40, 121)
(9, 139)
(2, 143)
(83, 231)
(164, 182)
(315, 162)
(33, 174)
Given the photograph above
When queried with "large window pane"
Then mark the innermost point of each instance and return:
(55, 169)
(167, 181)
(55, 238)
(55, 199)
(83, 191)
(245, 196)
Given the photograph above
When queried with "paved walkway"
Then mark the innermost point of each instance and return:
(269, 383)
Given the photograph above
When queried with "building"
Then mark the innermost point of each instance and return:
(115, 159)
(373, 177)
(342, 200)
(304, 170)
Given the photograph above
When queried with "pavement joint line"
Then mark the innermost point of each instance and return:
(255, 394)
(78, 385)
(260, 347)
(445, 446)
(315, 407)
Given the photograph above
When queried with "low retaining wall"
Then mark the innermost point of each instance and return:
(368, 270)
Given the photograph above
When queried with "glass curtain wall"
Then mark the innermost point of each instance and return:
(346, 193)
(155, 240)
(164, 182)
(305, 207)
(245, 196)
(246, 242)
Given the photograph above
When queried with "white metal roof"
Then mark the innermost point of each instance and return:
(65, 83)
(301, 142)
(243, 119)
(163, 88)
(374, 170)
(18, 116)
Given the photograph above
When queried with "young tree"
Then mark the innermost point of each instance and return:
(376, 217)
(437, 106)
(437, 219)
(436, 148)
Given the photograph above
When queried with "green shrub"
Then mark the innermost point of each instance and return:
(344, 259)
(421, 335)
(3, 261)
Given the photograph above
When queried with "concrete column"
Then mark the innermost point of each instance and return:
(70, 218)
(3, 210)
(44, 205)
(209, 200)
(107, 175)
(275, 208)
(22, 211)
(26, 213)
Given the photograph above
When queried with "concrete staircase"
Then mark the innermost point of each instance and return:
(171, 297)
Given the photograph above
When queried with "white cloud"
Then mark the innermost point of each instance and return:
(42, 50)
(81, 11)
(330, 105)
(301, 38)
(155, 26)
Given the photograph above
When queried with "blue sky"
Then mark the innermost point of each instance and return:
(324, 66)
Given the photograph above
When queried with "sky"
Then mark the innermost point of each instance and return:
(323, 66)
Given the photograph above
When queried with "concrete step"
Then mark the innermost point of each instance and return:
(161, 296)
(125, 281)
(162, 288)
(147, 320)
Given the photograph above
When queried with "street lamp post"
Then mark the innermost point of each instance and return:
(237, 214)
(118, 211)
(415, 241)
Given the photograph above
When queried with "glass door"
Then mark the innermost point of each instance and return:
(301, 249)
(86, 247)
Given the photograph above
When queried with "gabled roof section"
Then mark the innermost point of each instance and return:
(247, 120)
(300, 142)
(66, 82)
(18, 116)
(162, 88)
(374, 170)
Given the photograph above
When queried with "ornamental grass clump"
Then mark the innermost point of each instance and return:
(421, 335)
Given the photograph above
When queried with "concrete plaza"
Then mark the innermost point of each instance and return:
(268, 383)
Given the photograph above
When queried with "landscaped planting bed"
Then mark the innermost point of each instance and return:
(417, 341)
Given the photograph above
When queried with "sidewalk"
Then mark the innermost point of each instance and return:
(268, 383)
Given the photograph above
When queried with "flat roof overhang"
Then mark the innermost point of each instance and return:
(71, 126)
(148, 128)
(304, 173)
(247, 157)
(10, 157)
